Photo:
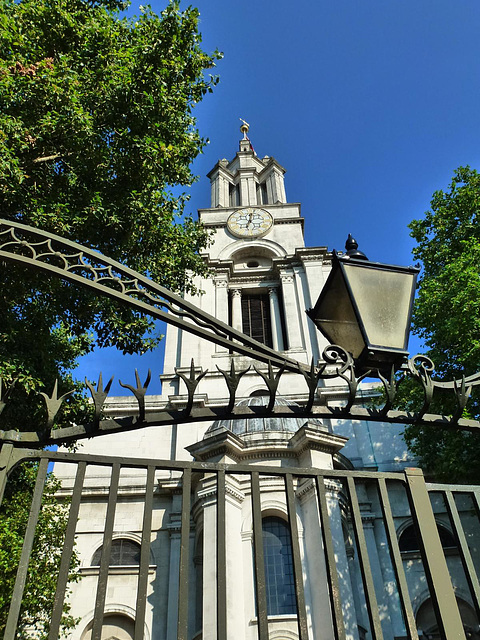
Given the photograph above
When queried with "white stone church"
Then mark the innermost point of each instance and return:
(264, 278)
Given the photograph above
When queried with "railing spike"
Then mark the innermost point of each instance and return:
(271, 380)
(462, 393)
(139, 392)
(99, 396)
(191, 384)
(423, 374)
(233, 380)
(390, 387)
(53, 404)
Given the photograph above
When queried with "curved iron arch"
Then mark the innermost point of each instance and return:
(86, 267)
(61, 258)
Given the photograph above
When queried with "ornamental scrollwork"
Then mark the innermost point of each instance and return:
(81, 265)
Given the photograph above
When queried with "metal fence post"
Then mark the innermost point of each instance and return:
(436, 570)
(5, 462)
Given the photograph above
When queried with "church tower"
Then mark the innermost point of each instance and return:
(264, 278)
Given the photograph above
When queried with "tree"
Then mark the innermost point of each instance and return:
(447, 317)
(96, 128)
(45, 559)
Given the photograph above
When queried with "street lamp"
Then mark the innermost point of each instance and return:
(366, 307)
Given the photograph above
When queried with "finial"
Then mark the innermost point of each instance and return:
(351, 246)
(244, 128)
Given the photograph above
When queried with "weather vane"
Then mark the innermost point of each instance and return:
(244, 128)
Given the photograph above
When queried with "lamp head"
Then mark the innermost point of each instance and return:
(365, 307)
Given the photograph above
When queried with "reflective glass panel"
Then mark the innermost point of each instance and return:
(277, 550)
(383, 301)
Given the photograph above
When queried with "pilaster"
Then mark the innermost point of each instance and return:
(207, 502)
(221, 301)
(347, 581)
(304, 303)
(220, 180)
(290, 302)
(174, 527)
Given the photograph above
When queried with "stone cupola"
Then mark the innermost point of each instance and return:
(247, 180)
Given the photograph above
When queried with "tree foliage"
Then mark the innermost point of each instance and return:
(43, 567)
(96, 127)
(96, 133)
(447, 317)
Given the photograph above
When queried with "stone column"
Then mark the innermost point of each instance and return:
(292, 321)
(277, 332)
(391, 598)
(381, 589)
(270, 186)
(221, 304)
(174, 527)
(309, 329)
(244, 191)
(208, 497)
(317, 596)
(252, 191)
(236, 589)
(315, 275)
(346, 584)
(237, 309)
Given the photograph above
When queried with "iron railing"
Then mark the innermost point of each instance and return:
(347, 508)
(347, 533)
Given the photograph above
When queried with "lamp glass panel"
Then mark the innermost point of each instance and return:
(383, 301)
(336, 318)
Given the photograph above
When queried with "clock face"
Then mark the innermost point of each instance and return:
(250, 222)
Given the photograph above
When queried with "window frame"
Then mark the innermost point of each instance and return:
(257, 322)
(275, 589)
(97, 556)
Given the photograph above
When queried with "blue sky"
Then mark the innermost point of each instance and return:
(368, 105)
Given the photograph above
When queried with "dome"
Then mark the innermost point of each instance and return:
(243, 426)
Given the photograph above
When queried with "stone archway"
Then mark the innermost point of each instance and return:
(116, 626)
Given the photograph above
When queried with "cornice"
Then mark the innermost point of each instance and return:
(306, 490)
(211, 492)
(274, 205)
(281, 221)
(285, 264)
(243, 449)
(271, 163)
(221, 167)
(276, 221)
(265, 280)
(314, 254)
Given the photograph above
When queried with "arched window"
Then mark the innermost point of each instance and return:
(408, 541)
(427, 622)
(277, 551)
(124, 552)
(115, 626)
